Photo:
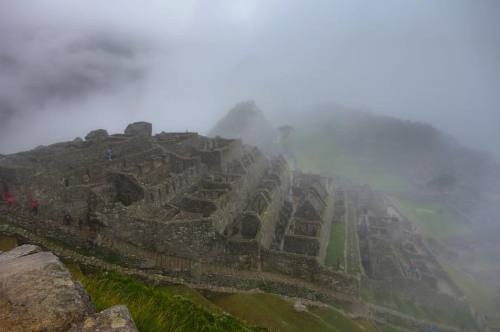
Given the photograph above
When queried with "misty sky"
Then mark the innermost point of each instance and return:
(67, 67)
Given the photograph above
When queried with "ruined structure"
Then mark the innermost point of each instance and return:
(399, 270)
(204, 210)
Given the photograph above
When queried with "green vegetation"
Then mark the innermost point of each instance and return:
(389, 329)
(392, 299)
(335, 250)
(278, 314)
(479, 294)
(433, 219)
(338, 320)
(319, 153)
(178, 308)
(158, 308)
(7, 242)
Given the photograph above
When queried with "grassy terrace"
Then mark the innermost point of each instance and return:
(178, 308)
(478, 293)
(353, 264)
(158, 308)
(318, 153)
(433, 219)
(335, 250)
(278, 314)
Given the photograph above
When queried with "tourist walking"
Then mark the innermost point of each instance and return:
(34, 206)
(109, 154)
(7, 197)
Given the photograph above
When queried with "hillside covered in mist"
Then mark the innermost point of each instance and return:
(388, 152)
(450, 192)
(246, 121)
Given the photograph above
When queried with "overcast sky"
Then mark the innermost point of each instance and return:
(67, 67)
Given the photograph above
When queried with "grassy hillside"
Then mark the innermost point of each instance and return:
(391, 154)
(178, 308)
(478, 293)
(278, 314)
(433, 219)
(403, 158)
(158, 308)
(319, 152)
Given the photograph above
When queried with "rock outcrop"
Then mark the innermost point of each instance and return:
(139, 129)
(116, 319)
(38, 294)
(96, 135)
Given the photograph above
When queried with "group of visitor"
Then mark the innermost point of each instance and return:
(10, 201)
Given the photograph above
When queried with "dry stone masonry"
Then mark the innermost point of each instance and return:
(200, 209)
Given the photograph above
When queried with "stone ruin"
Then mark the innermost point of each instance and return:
(207, 210)
(309, 229)
(398, 264)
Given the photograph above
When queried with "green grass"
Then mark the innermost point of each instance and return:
(278, 314)
(393, 300)
(479, 294)
(319, 153)
(178, 308)
(433, 219)
(7, 242)
(158, 308)
(335, 250)
(335, 318)
(389, 329)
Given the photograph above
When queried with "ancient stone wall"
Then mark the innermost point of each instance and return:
(309, 269)
(303, 245)
(276, 187)
(242, 188)
(173, 185)
(309, 231)
(185, 238)
(182, 204)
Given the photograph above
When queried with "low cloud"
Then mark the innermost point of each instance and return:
(65, 69)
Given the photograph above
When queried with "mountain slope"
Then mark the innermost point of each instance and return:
(246, 121)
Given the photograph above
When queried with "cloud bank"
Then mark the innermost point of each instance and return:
(68, 68)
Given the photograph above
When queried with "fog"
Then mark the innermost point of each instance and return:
(68, 68)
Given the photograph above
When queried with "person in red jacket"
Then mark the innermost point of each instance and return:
(34, 206)
(7, 197)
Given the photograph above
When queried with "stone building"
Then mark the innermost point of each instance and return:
(181, 203)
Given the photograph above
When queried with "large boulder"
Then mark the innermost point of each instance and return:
(20, 251)
(37, 294)
(97, 135)
(139, 129)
